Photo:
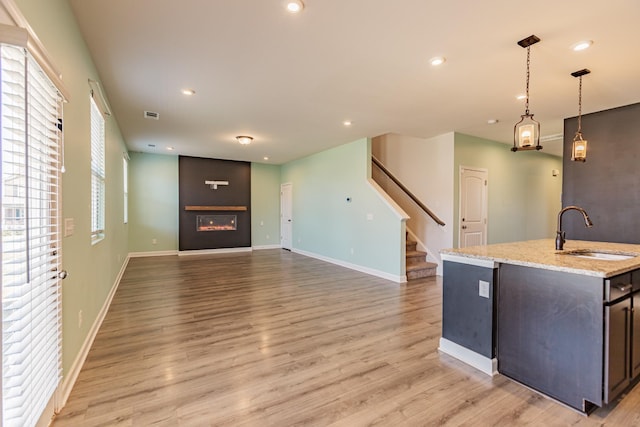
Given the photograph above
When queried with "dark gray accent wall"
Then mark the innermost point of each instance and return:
(607, 185)
(193, 172)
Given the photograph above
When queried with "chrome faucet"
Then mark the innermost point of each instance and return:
(560, 235)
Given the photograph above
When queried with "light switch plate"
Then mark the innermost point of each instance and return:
(483, 289)
(69, 227)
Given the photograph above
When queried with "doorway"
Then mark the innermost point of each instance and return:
(286, 219)
(473, 207)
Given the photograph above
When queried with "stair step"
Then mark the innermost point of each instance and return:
(422, 269)
(415, 257)
(410, 246)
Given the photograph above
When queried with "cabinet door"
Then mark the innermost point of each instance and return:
(617, 351)
(635, 337)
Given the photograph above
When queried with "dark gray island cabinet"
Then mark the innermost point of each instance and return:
(567, 328)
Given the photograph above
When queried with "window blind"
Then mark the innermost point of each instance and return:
(97, 172)
(31, 297)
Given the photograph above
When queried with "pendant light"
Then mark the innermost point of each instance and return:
(526, 133)
(579, 148)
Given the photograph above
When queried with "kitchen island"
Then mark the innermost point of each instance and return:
(560, 322)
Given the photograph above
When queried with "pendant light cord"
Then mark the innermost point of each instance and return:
(526, 105)
(580, 107)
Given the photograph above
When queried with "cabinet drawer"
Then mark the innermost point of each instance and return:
(617, 287)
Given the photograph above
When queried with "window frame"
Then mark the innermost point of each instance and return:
(98, 171)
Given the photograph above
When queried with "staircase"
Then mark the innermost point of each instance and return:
(417, 266)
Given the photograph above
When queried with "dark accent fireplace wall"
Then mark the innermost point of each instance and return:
(197, 197)
(606, 185)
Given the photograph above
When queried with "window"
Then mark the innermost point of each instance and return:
(97, 173)
(30, 250)
(125, 180)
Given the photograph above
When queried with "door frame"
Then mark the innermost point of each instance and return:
(485, 201)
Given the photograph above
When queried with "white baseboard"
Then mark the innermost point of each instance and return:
(360, 268)
(70, 377)
(214, 251)
(481, 363)
(152, 253)
(261, 247)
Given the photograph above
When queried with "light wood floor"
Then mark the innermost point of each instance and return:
(272, 338)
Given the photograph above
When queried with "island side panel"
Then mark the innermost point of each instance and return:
(468, 319)
(550, 332)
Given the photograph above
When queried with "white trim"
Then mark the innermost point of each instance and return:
(261, 247)
(397, 210)
(362, 269)
(481, 363)
(35, 46)
(153, 253)
(70, 377)
(213, 251)
(470, 261)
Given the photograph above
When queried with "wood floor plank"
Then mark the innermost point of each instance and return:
(272, 338)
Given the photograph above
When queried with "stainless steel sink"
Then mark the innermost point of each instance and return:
(601, 255)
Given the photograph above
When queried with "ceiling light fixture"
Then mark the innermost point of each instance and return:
(170, 148)
(579, 148)
(521, 97)
(437, 60)
(244, 140)
(582, 45)
(526, 132)
(347, 123)
(295, 6)
(188, 92)
(492, 121)
(265, 158)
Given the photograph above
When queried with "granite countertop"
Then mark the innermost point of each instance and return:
(542, 254)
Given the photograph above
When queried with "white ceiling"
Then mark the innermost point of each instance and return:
(291, 80)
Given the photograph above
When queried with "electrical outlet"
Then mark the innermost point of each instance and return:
(483, 289)
(351, 251)
(261, 223)
(267, 237)
(80, 319)
(154, 241)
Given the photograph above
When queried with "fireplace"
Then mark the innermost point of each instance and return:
(216, 222)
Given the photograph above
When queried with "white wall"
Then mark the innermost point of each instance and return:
(424, 166)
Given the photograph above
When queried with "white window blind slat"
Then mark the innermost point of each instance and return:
(31, 297)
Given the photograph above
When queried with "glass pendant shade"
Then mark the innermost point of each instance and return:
(579, 149)
(526, 134)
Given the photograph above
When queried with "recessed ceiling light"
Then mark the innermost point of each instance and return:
(437, 60)
(188, 92)
(294, 6)
(347, 123)
(582, 45)
(170, 148)
(492, 121)
(244, 140)
(265, 158)
(521, 97)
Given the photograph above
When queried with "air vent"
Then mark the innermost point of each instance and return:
(151, 115)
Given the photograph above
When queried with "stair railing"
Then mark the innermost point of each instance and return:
(407, 191)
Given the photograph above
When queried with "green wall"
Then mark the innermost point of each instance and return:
(325, 224)
(153, 203)
(524, 196)
(93, 269)
(265, 205)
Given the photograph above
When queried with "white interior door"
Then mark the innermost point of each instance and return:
(286, 219)
(473, 207)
